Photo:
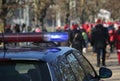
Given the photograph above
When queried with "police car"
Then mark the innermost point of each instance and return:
(43, 61)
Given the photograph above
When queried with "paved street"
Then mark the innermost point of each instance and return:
(111, 63)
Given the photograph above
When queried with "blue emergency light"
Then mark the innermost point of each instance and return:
(56, 36)
(53, 50)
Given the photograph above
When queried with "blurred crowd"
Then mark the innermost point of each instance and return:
(98, 35)
(16, 28)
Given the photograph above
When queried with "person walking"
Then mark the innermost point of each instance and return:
(117, 43)
(111, 32)
(76, 39)
(99, 39)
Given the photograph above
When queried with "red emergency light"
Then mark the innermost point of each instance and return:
(21, 37)
(34, 37)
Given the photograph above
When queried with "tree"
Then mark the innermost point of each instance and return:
(114, 7)
(41, 7)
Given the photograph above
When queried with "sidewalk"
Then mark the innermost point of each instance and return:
(111, 63)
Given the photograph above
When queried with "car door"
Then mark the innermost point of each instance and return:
(61, 70)
(75, 67)
(68, 68)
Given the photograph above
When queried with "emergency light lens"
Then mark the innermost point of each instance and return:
(53, 50)
(56, 36)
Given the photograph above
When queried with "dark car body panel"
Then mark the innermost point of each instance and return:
(61, 62)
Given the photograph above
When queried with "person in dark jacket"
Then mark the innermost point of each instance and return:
(77, 39)
(99, 39)
(8, 29)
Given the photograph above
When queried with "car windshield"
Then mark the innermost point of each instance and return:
(24, 71)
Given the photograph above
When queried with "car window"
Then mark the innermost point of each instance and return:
(65, 70)
(24, 71)
(76, 67)
(86, 65)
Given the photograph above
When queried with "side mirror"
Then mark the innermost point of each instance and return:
(105, 72)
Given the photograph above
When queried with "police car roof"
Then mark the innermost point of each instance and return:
(46, 56)
(33, 53)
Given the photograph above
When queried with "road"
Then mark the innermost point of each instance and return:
(111, 63)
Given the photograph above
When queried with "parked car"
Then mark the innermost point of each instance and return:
(44, 61)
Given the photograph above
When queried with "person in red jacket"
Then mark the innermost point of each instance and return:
(111, 32)
(117, 43)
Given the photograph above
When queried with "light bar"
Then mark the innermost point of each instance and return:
(34, 37)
